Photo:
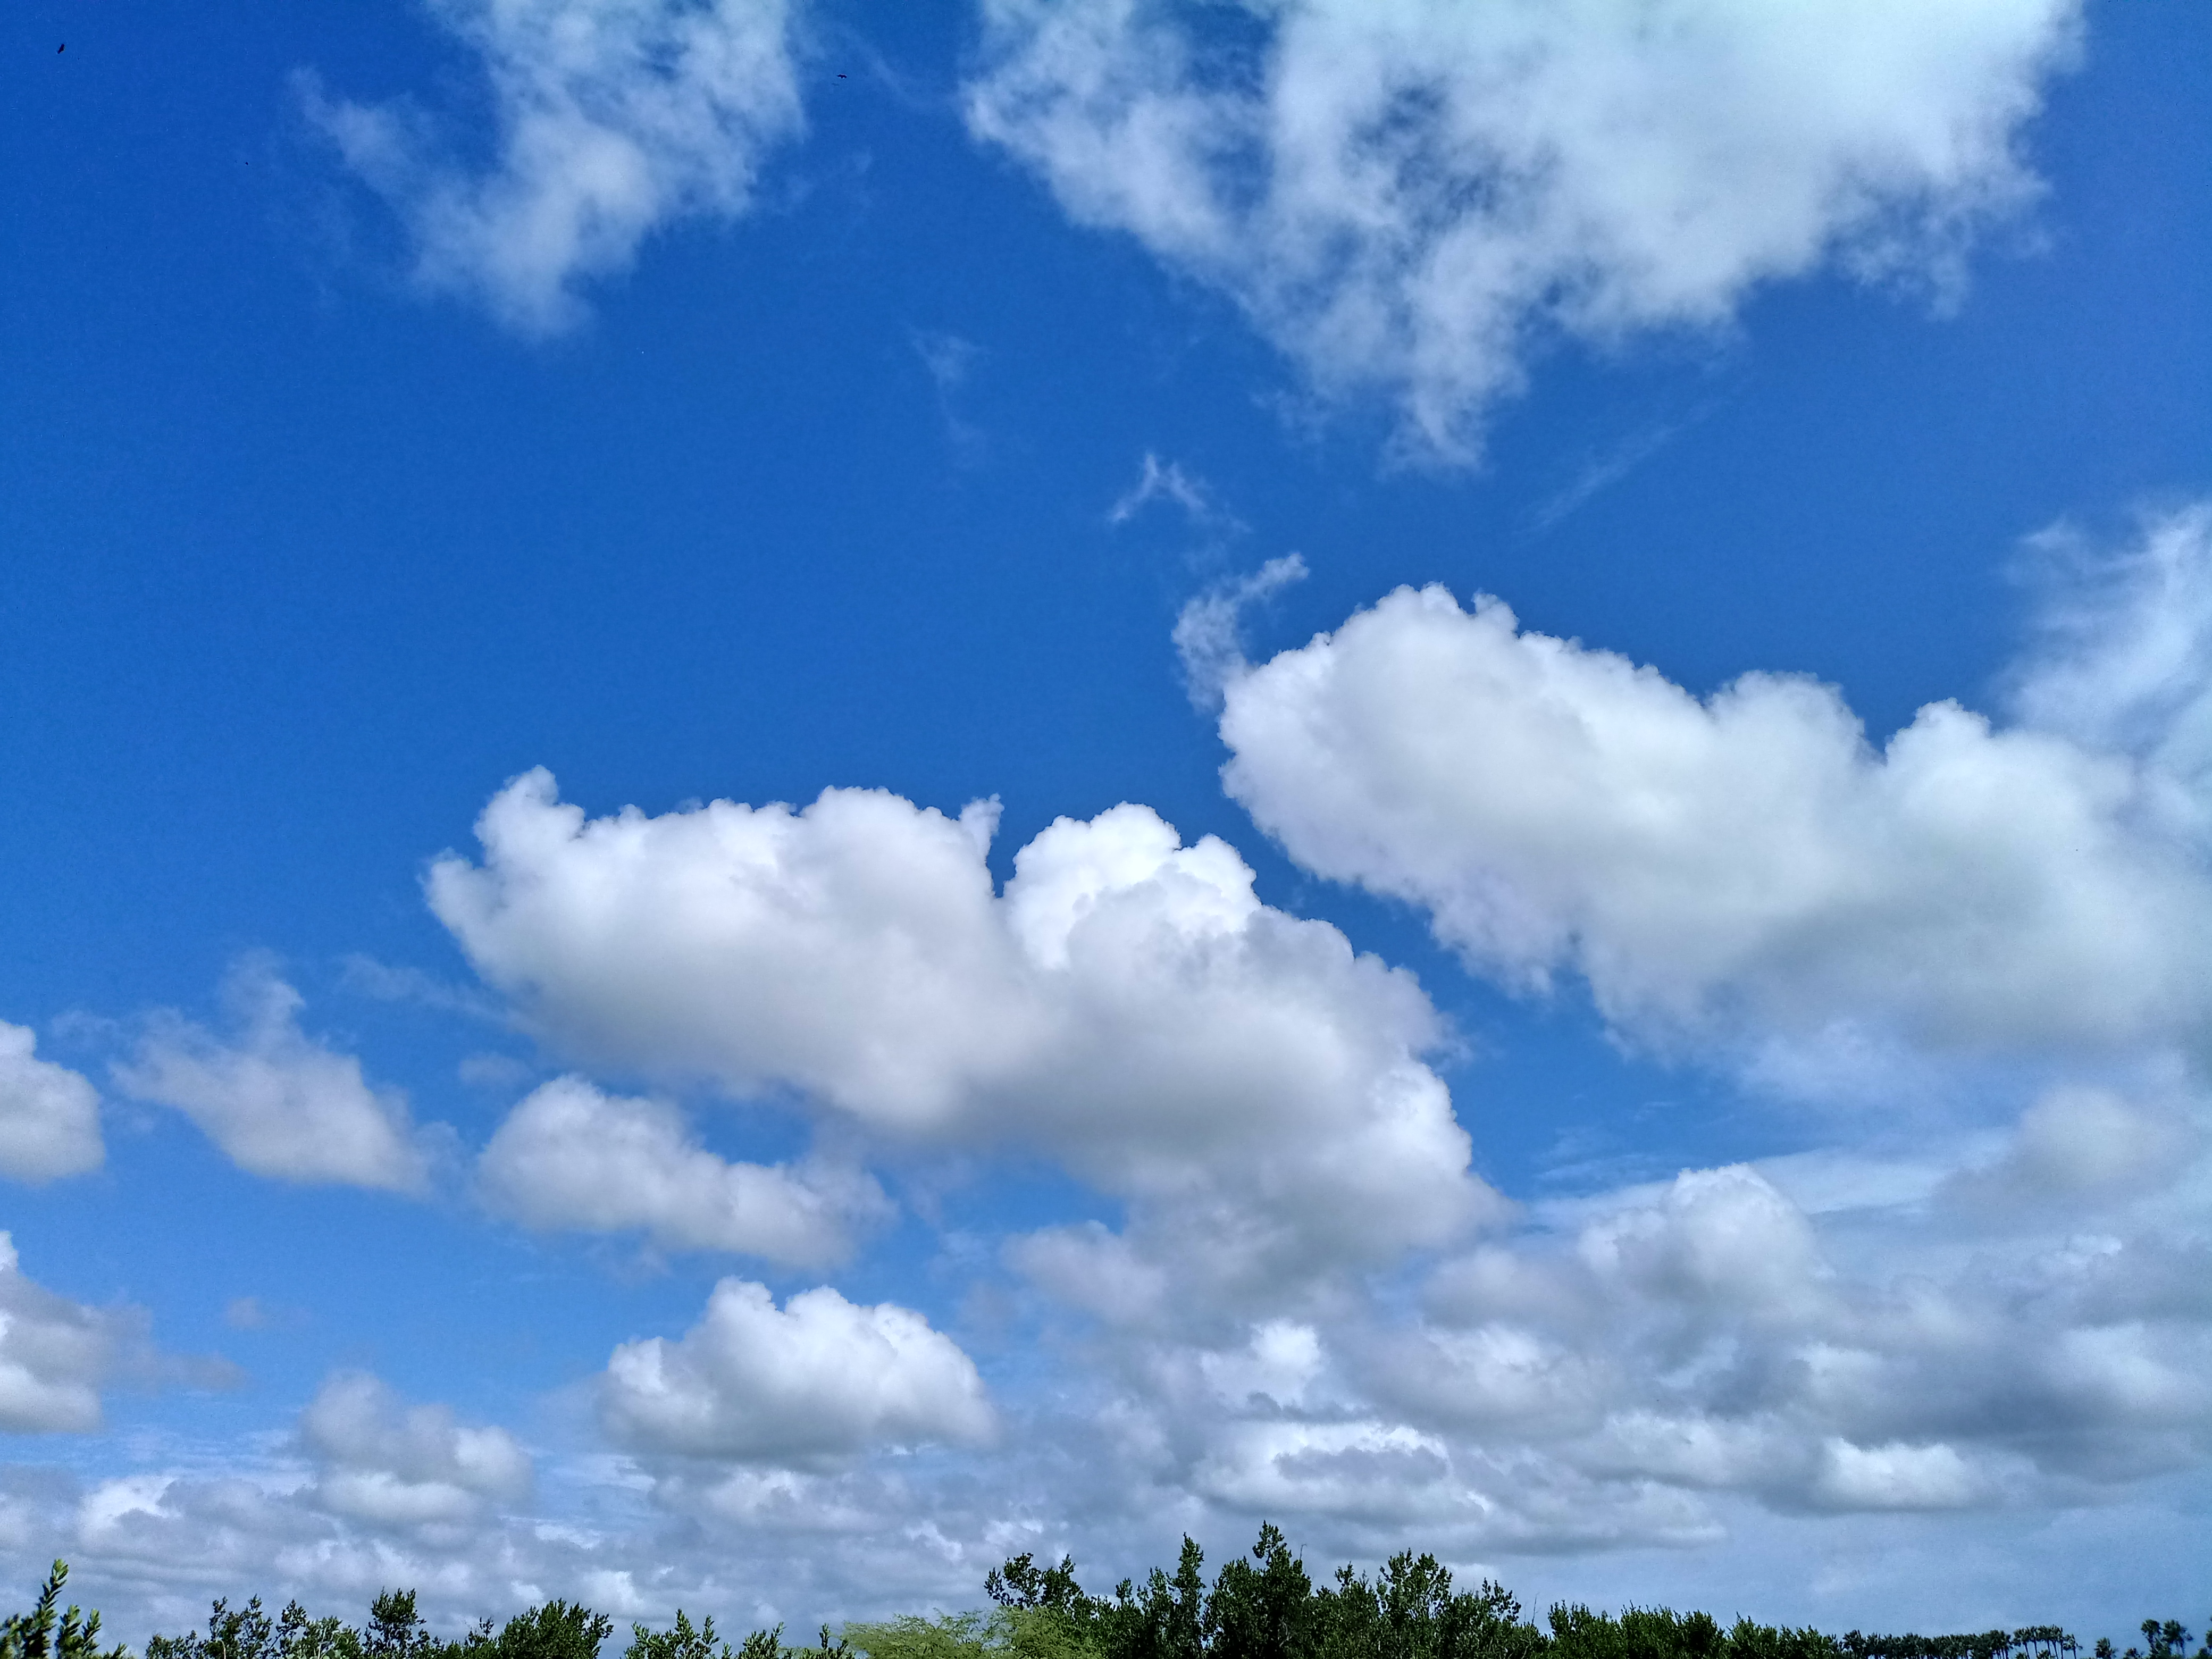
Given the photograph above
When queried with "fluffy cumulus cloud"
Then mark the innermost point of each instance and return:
(817, 1380)
(1127, 1006)
(55, 1353)
(277, 1101)
(613, 118)
(385, 1463)
(1406, 193)
(1737, 867)
(1294, 1313)
(572, 1155)
(49, 1115)
(2009, 1320)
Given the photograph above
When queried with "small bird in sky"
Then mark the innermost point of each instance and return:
(62, 47)
(841, 77)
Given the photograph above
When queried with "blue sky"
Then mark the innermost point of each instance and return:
(1585, 1112)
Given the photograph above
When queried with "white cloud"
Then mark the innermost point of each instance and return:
(1895, 1477)
(1281, 1361)
(276, 1100)
(2122, 657)
(55, 1353)
(1361, 1467)
(755, 1547)
(159, 1543)
(1708, 1335)
(613, 118)
(1724, 1236)
(253, 1313)
(2011, 1323)
(948, 357)
(572, 1155)
(1127, 1006)
(386, 1464)
(1088, 1266)
(1207, 630)
(1676, 1365)
(1410, 193)
(1166, 481)
(49, 1115)
(368, 977)
(819, 1379)
(2078, 1144)
(1733, 868)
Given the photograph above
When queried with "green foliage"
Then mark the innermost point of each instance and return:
(1982, 1644)
(1263, 1606)
(949, 1636)
(1048, 1633)
(1750, 1641)
(38, 1634)
(395, 1630)
(1166, 1619)
(557, 1630)
(1266, 1607)
(1410, 1611)
(2168, 1639)
(1262, 1612)
(248, 1633)
(1017, 1628)
(1024, 1585)
(684, 1641)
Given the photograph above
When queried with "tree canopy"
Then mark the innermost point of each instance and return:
(1261, 1605)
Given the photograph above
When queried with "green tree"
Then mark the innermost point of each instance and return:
(1023, 1585)
(1165, 1619)
(1262, 1608)
(395, 1630)
(42, 1634)
(684, 1641)
(556, 1630)
(1411, 1611)
(948, 1635)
